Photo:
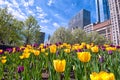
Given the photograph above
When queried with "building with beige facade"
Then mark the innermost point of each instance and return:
(104, 28)
(88, 28)
(114, 6)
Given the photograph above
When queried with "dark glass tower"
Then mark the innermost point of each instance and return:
(102, 10)
(80, 20)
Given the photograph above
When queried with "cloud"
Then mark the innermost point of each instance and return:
(44, 21)
(17, 13)
(14, 9)
(29, 3)
(39, 9)
(1, 2)
(40, 13)
(15, 3)
(56, 25)
(50, 2)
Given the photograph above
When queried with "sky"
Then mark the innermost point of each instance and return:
(50, 14)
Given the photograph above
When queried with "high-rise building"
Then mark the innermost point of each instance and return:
(80, 20)
(115, 20)
(102, 10)
(41, 37)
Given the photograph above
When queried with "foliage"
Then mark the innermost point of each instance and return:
(31, 30)
(77, 36)
(14, 32)
(96, 38)
(10, 28)
(61, 35)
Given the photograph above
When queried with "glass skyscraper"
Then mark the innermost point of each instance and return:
(80, 20)
(102, 10)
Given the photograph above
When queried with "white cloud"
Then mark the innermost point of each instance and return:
(56, 25)
(39, 9)
(29, 11)
(7, 4)
(15, 3)
(1, 2)
(29, 3)
(44, 21)
(14, 9)
(17, 14)
(50, 2)
(40, 13)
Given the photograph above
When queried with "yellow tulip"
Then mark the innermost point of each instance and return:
(21, 57)
(53, 49)
(64, 44)
(68, 46)
(88, 46)
(43, 50)
(59, 65)
(26, 50)
(106, 76)
(111, 48)
(67, 50)
(102, 76)
(83, 44)
(3, 61)
(26, 55)
(29, 46)
(95, 76)
(46, 54)
(95, 49)
(84, 56)
(3, 57)
(36, 52)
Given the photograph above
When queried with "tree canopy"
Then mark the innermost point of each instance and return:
(14, 32)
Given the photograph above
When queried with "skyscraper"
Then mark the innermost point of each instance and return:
(80, 20)
(115, 20)
(102, 10)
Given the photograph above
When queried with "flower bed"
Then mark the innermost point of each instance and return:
(61, 61)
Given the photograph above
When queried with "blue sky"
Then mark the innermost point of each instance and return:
(50, 14)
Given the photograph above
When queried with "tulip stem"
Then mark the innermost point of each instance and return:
(58, 76)
(85, 71)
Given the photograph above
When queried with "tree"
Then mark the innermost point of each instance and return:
(76, 36)
(10, 28)
(31, 30)
(61, 35)
(79, 35)
(96, 38)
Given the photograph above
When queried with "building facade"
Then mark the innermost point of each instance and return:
(115, 20)
(88, 28)
(104, 28)
(102, 10)
(80, 20)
